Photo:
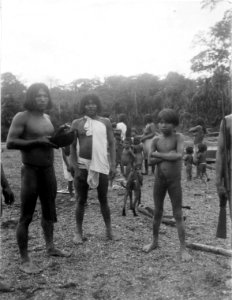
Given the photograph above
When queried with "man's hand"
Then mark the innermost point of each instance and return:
(112, 173)
(44, 141)
(155, 160)
(8, 195)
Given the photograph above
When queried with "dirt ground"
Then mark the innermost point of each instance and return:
(101, 269)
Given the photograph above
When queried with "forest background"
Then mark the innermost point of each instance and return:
(137, 95)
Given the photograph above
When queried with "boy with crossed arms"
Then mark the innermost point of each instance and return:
(166, 152)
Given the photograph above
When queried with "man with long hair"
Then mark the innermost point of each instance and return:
(92, 164)
(29, 132)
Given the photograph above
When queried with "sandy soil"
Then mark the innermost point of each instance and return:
(101, 269)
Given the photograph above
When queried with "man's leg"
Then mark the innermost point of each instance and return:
(105, 210)
(145, 166)
(70, 188)
(175, 194)
(159, 192)
(47, 195)
(28, 202)
(81, 186)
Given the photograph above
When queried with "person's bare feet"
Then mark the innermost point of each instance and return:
(57, 252)
(152, 246)
(78, 239)
(4, 287)
(185, 256)
(29, 267)
(109, 234)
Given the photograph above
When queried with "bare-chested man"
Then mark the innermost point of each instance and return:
(166, 152)
(29, 132)
(91, 164)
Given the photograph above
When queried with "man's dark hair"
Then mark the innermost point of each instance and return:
(128, 140)
(189, 150)
(148, 119)
(200, 121)
(86, 99)
(169, 115)
(122, 118)
(202, 147)
(32, 92)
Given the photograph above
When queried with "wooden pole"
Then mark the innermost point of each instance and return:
(206, 248)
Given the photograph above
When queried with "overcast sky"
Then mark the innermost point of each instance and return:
(71, 39)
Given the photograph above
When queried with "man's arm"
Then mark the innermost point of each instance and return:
(73, 150)
(14, 138)
(151, 158)
(111, 145)
(65, 159)
(150, 134)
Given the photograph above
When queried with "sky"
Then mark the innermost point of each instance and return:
(59, 41)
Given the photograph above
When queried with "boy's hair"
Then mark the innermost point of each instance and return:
(202, 147)
(85, 100)
(200, 121)
(169, 115)
(122, 118)
(128, 140)
(148, 118)
(114, 125)
(136, 140)
(30, 103)
(189, 150)
(117, 133)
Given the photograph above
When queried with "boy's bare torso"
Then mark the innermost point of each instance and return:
(127, 157)
(170, 169)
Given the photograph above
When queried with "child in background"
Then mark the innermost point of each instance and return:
(166, 153)
(188, 162)
(127, 158)
(66, 169)
(138, 151)
(133, 134)
(201, 161)
(118, 149)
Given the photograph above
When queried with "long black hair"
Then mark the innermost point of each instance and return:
(32, 91)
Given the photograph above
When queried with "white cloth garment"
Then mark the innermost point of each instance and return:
(122, 126)
(99, 162)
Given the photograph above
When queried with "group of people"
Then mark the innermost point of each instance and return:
(92, 162)
(197, 154)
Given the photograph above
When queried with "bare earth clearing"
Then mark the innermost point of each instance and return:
(101, 269)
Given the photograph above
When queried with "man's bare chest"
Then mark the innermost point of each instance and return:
(38, 127)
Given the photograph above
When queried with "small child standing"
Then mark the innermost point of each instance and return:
(166, 152)
(66, 168)
(118, 149)
(127, 158)
(201, 161)
(188, 162)
(138, 151)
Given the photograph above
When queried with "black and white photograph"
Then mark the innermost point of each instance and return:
(116, 168)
